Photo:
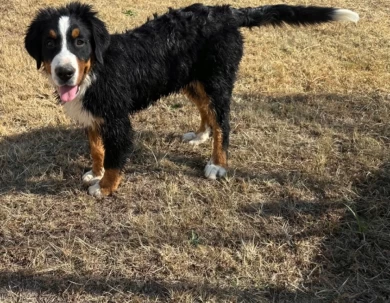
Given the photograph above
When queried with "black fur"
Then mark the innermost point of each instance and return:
(276, 15)
(136, 68)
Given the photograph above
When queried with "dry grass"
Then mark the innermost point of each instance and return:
(304, 215)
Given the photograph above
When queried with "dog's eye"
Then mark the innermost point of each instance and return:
(50, 43)
(80, 42)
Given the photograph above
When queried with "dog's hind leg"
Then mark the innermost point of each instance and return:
(214, 112)
(195, 92)
(220, 125)
(97, 154)
(216, 74)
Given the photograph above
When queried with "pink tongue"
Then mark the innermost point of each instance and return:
(68, 93)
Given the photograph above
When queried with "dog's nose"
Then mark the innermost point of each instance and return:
(65, 72)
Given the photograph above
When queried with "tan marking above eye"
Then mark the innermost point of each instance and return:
(52, 34)
(75, 33)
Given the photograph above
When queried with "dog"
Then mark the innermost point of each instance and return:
(101, 79)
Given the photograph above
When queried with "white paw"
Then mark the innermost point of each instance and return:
(189, 136)
(212, 171)
(95, 191)
(89, 178)
(196, 139)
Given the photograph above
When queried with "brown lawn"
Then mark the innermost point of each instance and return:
(304, 215)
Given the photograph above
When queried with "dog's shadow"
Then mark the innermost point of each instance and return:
(42, 161)
(51, 160)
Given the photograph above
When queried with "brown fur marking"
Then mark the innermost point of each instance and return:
(198, 96)
(196, 93)
(52, 34)
(47, 67)
(75, 33)
(219, 155)
(110, 181)
(97, 150)
(84, 68)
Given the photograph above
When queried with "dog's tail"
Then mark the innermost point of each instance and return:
(277, 15)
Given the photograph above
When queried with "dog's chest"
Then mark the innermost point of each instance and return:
(77, 112)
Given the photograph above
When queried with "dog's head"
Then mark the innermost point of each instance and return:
(67, 41)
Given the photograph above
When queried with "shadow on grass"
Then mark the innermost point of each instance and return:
(57, 283)
(347, 114)
(52, 159)
(358, 254)
(42, 161)
(354, 264)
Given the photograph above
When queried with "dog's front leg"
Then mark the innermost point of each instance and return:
(116, 136)
(97, 154)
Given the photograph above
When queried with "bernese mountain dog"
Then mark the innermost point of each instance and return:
(100, 78)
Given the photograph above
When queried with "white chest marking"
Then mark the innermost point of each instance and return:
(75, 110)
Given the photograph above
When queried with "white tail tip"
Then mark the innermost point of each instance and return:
(345, 15)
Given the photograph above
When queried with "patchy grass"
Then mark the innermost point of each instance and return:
(129, 13)
(304, 215)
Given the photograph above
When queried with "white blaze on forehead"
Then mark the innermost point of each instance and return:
(64, 57)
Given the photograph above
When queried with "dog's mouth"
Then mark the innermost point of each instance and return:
(68, 93)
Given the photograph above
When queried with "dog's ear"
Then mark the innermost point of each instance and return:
(33, 41)
(34, 34)
(100, 35)
(101, 38)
